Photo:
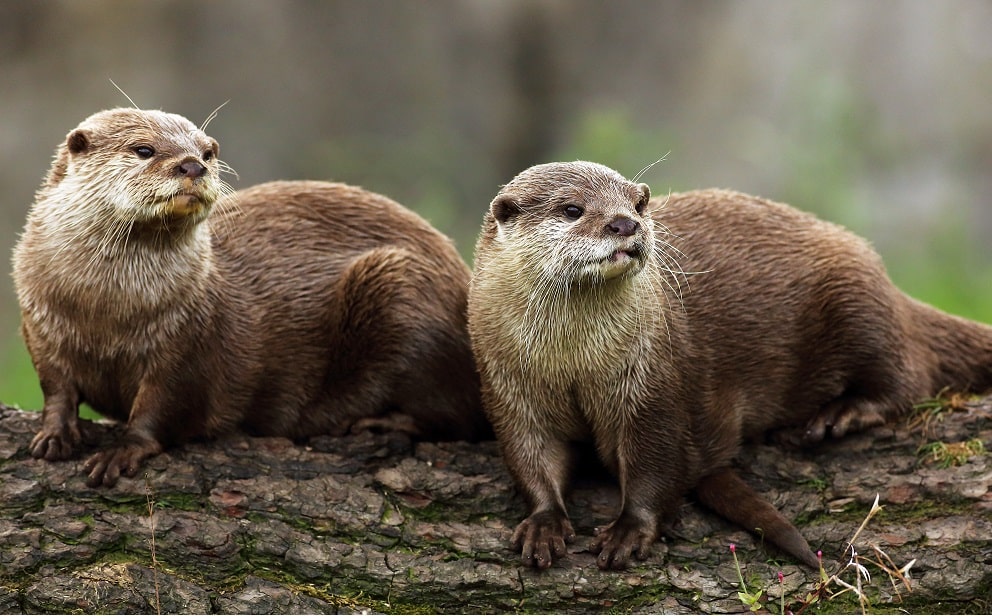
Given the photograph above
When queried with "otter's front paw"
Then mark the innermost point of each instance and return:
(106, 467)
(542, 536)
(56, 443)
(625, 536)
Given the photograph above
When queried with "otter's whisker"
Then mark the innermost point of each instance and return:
(213, 114)
(637, 176)
(121, 90)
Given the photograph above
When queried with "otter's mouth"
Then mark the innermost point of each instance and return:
(185, 203)
(624, 261)
(623, 255)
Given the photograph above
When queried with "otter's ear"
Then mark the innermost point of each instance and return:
(77, 141)
(645, 195)
(504, 208)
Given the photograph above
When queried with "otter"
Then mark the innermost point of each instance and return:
(669, 332)
(163, 299)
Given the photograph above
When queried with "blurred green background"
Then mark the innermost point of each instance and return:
(874, 115)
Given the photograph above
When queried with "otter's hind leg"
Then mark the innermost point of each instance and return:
(365, 345)
(397, 360)
(847, 414)
(439, 387)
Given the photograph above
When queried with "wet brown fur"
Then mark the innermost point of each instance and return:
(289, 308)
(743, 316)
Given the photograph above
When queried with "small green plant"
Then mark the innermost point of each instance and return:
(817, 483)
(946, 455)
(752, 599)
(933, 410)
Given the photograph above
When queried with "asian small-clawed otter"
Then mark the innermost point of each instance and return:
(586, 326)
(156, 295)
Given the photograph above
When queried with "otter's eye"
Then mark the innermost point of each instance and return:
(572, 211)
(144, 151)
(639, 208)
(209, 154)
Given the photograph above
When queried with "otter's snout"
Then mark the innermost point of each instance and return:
(623, 226)
(191, 168)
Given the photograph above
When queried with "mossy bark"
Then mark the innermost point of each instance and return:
(375, 522)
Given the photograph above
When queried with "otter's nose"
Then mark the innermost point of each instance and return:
(191, 169)
(623, 226)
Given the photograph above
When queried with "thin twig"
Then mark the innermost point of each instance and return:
(151, 524)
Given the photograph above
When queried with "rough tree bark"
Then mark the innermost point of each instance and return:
(374, 522)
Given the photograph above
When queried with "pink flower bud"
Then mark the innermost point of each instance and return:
(733, 548)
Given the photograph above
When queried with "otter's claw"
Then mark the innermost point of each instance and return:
(106, 467)
(542, 537)
(625, 536)
(55, 445)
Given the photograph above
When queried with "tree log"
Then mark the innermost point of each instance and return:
(375, 522)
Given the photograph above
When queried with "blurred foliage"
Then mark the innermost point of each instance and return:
(941, 263)
(824, 179)
(18, 381)
(611, 137)
(947, 271)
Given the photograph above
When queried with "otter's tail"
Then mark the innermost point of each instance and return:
(960, 350)
(726, 494)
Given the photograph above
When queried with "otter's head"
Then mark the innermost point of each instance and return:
(580, 222)
(138, 167)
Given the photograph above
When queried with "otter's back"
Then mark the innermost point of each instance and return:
(786, 311)
(327, 223)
